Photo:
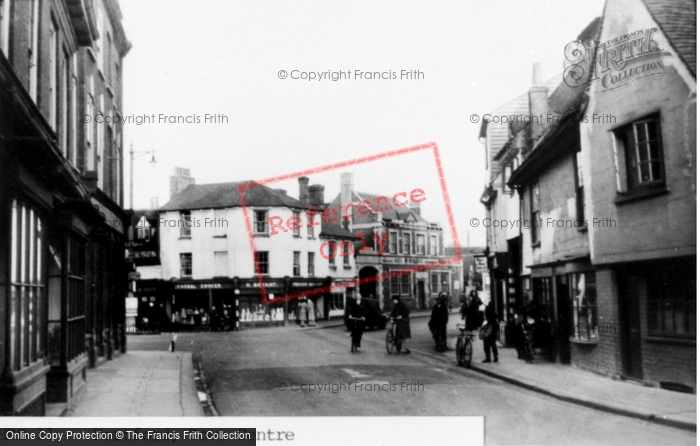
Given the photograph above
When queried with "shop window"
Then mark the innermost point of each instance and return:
(186, 264)
(27, 286)
(311, 263)
(395, 289)
(435, 283)
(584, 307)
(420, 244)
(392, 242)
(671, 294)
(406, 285)
(296, 266)
(262, 260)
(641, 146)
(260, 225)
(445, 282)
(186, 222)
(337, 302)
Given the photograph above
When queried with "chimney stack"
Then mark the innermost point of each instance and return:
(346, 187)
(539, 106)
(316, 194)
(282, 191)
(180, 181)
(304, 190)
(415, 207)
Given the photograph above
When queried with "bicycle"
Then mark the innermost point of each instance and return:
(393, 343)
(464, 346)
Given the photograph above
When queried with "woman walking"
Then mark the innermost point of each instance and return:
(357, 318)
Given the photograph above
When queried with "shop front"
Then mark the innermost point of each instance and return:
(201, 305)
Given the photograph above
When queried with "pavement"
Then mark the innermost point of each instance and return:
(163, 383)
(141, 384)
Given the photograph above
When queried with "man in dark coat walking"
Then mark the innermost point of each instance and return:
(357, 320)
(400, 313)
(438, 323)
(490, 341)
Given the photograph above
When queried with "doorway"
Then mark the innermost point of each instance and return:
(563, 327)
(631, 341)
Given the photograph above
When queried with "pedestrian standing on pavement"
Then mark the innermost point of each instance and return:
(470, 311)
(311, 309)
(214, 319)
(357, 322)
(303, 310)
(400, 313)
(438, 323)
(490, 340)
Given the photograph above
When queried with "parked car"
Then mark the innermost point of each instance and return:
(374, 318)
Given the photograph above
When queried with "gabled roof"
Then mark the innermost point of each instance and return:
(404, 214)
(677, 20)
(226, 195)
(331, 230)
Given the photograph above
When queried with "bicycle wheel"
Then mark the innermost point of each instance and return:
(468, 354)
(459, 351)
(390, 345)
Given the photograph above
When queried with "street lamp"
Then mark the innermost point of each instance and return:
(137, 154)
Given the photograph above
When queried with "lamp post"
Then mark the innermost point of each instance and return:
(135, 155)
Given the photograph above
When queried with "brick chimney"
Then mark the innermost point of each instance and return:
(346, 187)
(304, 190)
(316, 194)
(180, 181)
(538, 106)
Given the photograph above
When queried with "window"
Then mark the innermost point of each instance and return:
(535, 213)
(420, 244)
(346, 253)
(5, 20)
(672, 296)
(99, 43)
(580, 203)
(395, 289)
(311, 264)
(331, 254)
(220, 222)
(220, 263)
(435, 283)
(296, 266)
(405, 284)
(445, 282)
(643, 152)
(186, 224)
(33, 50)
(297, 228)
(99, 145)
(310, 230)
(262, 260)
(90, 127)
(53, 75)
(27, 286)
(584, 307)
(143, 230)
(337, 301)
(392, 243)
(260, 225)
(186, 264)
(433, 245)
(74, 111)
(406, 243)
(64, 116)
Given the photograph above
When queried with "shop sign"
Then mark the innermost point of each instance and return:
(481, 264)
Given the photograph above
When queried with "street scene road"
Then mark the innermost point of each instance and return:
(269, 372)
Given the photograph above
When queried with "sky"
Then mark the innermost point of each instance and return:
(225, 59)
